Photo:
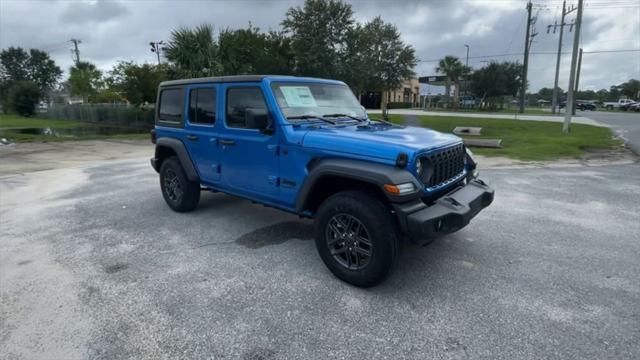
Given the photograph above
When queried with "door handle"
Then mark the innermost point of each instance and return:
(227, 142)
(192, 137)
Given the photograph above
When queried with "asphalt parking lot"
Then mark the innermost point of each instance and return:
(93, 264)
(625, 124)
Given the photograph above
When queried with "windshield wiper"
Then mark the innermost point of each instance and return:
(310, 117)
(345, 115)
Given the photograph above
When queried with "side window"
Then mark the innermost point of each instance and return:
(202, 106)
(170, 105)
(239, 100)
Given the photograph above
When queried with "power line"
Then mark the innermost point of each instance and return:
(537, 53)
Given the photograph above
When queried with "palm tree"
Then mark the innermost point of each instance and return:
(193, 52)
(453, 69)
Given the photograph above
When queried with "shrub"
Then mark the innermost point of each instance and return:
(23, 98)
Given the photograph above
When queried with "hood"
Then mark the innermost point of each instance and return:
(377, 140)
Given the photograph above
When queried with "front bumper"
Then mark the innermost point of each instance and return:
(155, 164)
(448, 213)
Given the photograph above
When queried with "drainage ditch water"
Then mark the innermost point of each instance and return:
(75, 132)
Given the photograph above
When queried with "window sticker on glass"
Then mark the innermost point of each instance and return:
(298, 96)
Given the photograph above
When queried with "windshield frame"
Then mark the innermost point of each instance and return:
(358, 111)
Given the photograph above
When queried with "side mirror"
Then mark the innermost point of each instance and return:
(259, 119)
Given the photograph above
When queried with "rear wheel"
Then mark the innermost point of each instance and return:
(357, 238)
(180, 194)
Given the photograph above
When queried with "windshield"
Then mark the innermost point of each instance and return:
(305, 100)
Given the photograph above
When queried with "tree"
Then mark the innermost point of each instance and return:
(453, 69)
(375, 58)
(318, 33)
(248, 51)
(138, 84)
(17, 65)
(496, 80)
(630, 89)
(193, 52)
(84, 79)
(23, 96)
(42, 70)
(547, 93)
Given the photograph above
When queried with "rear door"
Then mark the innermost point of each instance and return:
(201, 133)
(249, 157)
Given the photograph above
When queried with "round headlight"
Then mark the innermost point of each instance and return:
(419, 167)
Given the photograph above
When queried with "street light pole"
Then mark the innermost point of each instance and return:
(156, 48)
(466, 64)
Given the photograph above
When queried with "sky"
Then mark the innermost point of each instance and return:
(121, 30)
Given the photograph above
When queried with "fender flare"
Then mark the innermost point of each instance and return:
(373, 173)
(183, 155)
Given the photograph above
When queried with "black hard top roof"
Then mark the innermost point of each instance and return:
(225, 79)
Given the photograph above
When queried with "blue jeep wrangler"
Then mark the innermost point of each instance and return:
(306, 146)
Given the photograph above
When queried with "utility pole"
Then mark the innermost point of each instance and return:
(554, 100)
(155, 47)
(575, 90)
(572, 75)
(527, 45)
(75, 50)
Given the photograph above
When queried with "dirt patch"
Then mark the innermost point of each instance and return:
(593, 157)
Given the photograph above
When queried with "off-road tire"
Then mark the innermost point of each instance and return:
(188, 196)
(380, 226)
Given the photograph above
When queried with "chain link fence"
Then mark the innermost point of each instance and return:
(130, 116)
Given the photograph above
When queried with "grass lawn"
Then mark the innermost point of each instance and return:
(12, 127)
(527, 140)
(8, 121)
(527, 111)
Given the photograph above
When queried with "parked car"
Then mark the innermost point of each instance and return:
(586, 105)
(634, 107)
(621, 103)
(627, 106)
(307, 147)
(580, 105)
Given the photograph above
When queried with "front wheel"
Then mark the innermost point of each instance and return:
(357, 238)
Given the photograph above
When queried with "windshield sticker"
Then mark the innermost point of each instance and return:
(298, 96)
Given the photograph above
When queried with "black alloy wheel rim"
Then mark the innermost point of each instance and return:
(172, 186)
(349, 242)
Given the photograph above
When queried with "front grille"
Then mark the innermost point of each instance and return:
(446, 164)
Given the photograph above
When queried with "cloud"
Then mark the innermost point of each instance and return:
(84, 12)
(121, 30)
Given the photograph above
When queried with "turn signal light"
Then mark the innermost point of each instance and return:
(399, 189)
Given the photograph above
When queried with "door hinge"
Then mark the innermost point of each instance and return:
(274, 180)
(274, 148)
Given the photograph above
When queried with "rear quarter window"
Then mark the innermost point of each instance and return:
(170, 107)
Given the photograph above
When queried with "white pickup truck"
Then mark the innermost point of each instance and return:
(617, 104)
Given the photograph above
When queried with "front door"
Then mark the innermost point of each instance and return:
(201, 135)
(249, 157)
